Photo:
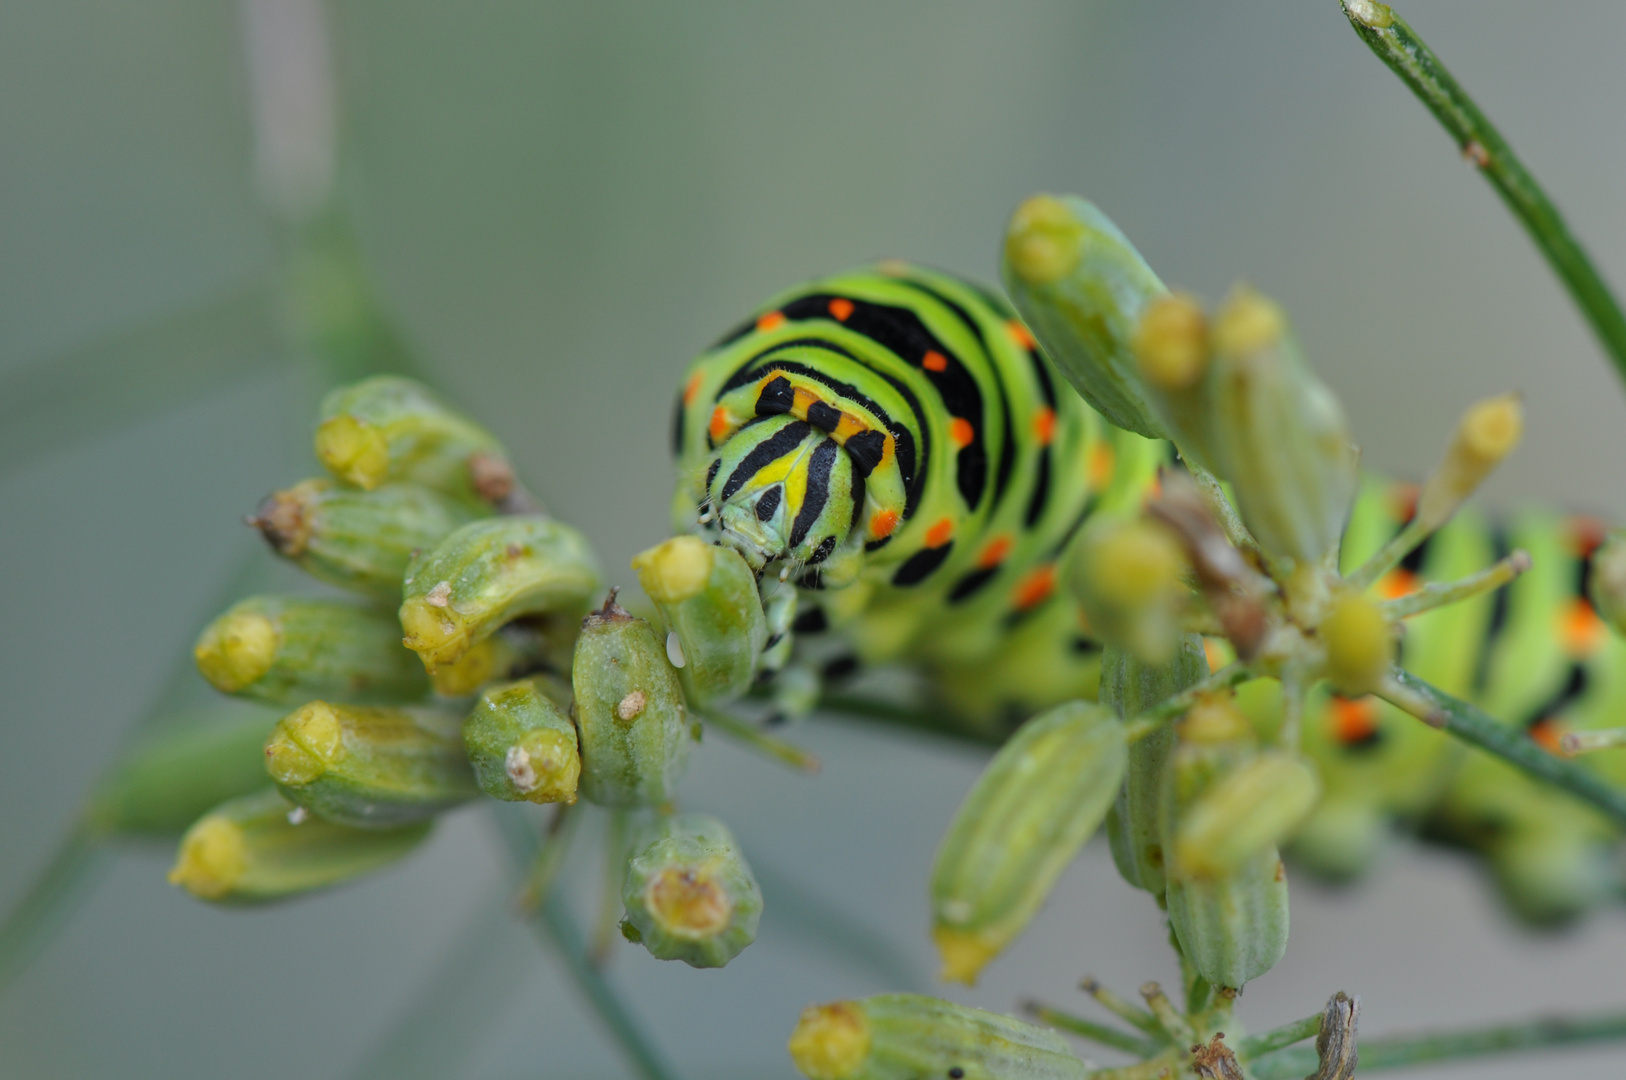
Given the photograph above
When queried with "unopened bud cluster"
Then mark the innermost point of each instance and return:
(465, 662)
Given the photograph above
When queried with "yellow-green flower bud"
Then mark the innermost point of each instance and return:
(1081, 286)
(1276, 433)
(370, 767)
(518, 649)
(910, 1036)
(1130, 686)
(1040, 798)
(489, 572)
(1254, 808)
(629, 710)
(261, 847)
(1127, 576)
(1360, 647)
(289, 649)
(522, 745)
(390, 428)
(708, 596)
(188, 764)
(1488, 432)
(1608, 585)
(1231, 927)
(359, 540)
(689, 893)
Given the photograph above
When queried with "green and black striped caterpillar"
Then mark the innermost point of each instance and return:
(892, 443)
(888, 448)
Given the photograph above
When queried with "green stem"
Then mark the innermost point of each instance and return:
(559, 930)
(1438, 594)
(608, 921)
(52, 897)
(1478, 728)
(1404, 1051)
(763, 743)
(1089, 1029)
(1170, 707)
(550, 856)
(1123, 1009)
(1255, 1046)
(1397, 45)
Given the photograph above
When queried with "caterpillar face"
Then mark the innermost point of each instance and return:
(782, 490)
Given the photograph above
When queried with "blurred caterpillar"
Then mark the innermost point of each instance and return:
(887, 448)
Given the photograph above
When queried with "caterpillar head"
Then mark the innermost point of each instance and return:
(781, 490)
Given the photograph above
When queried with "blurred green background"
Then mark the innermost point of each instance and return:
(560, 203)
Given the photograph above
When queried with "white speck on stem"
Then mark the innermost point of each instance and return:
(297, 815)
(440, 595)
(631, 705)
(674, 650)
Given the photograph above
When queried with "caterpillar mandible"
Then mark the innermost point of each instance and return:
(891, 450)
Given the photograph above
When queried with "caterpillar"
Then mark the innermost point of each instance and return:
(1534, 654)
(893, 454)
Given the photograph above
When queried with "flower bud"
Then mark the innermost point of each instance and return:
(1360, 648)
(259, 847)
(289, 649)
(1173, 351)
(358, 540)
(1488, 432)
(522, 745)
(1254, 808)
(1231, 927)
(708, 596)
(370, 767)
(186, 765)
(1129, 686)
(489, 572)
(1608, 585)
(1127, 576)
(904, 1036)
(390, 428)
(1040, 798)
(517, 649)
(629, 710)
(1081, 286)
(689, 893)
(1276, 433)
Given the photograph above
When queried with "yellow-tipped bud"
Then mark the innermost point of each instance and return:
(1609, 581)
(1254, 808)
(304, 743)
(1487, 433)
(212, 859)
(1044, 240)
(1127, 576)
(1248, 322)
(237, 650)
(964, 954)
(1360, 648)
(1171, 342)
(353, 450)
(831, 1042)
(1215, 721)
(676, 570)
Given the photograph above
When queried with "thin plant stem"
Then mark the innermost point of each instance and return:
(558, 929)
(1170, 707)
(1123, 1009)
(1178, 1031)
(1158, 1068)
(550, 856)
(1388, 557)
(609, 899)
(1440, 593)
(1585, 742)
(1478, 728)
(1397, 45)
(760, 741)
(1405, 1051)
(1255, 1046)
(1089, 1029)
(49, 901)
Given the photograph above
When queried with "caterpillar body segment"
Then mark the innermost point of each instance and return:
(892, 443)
